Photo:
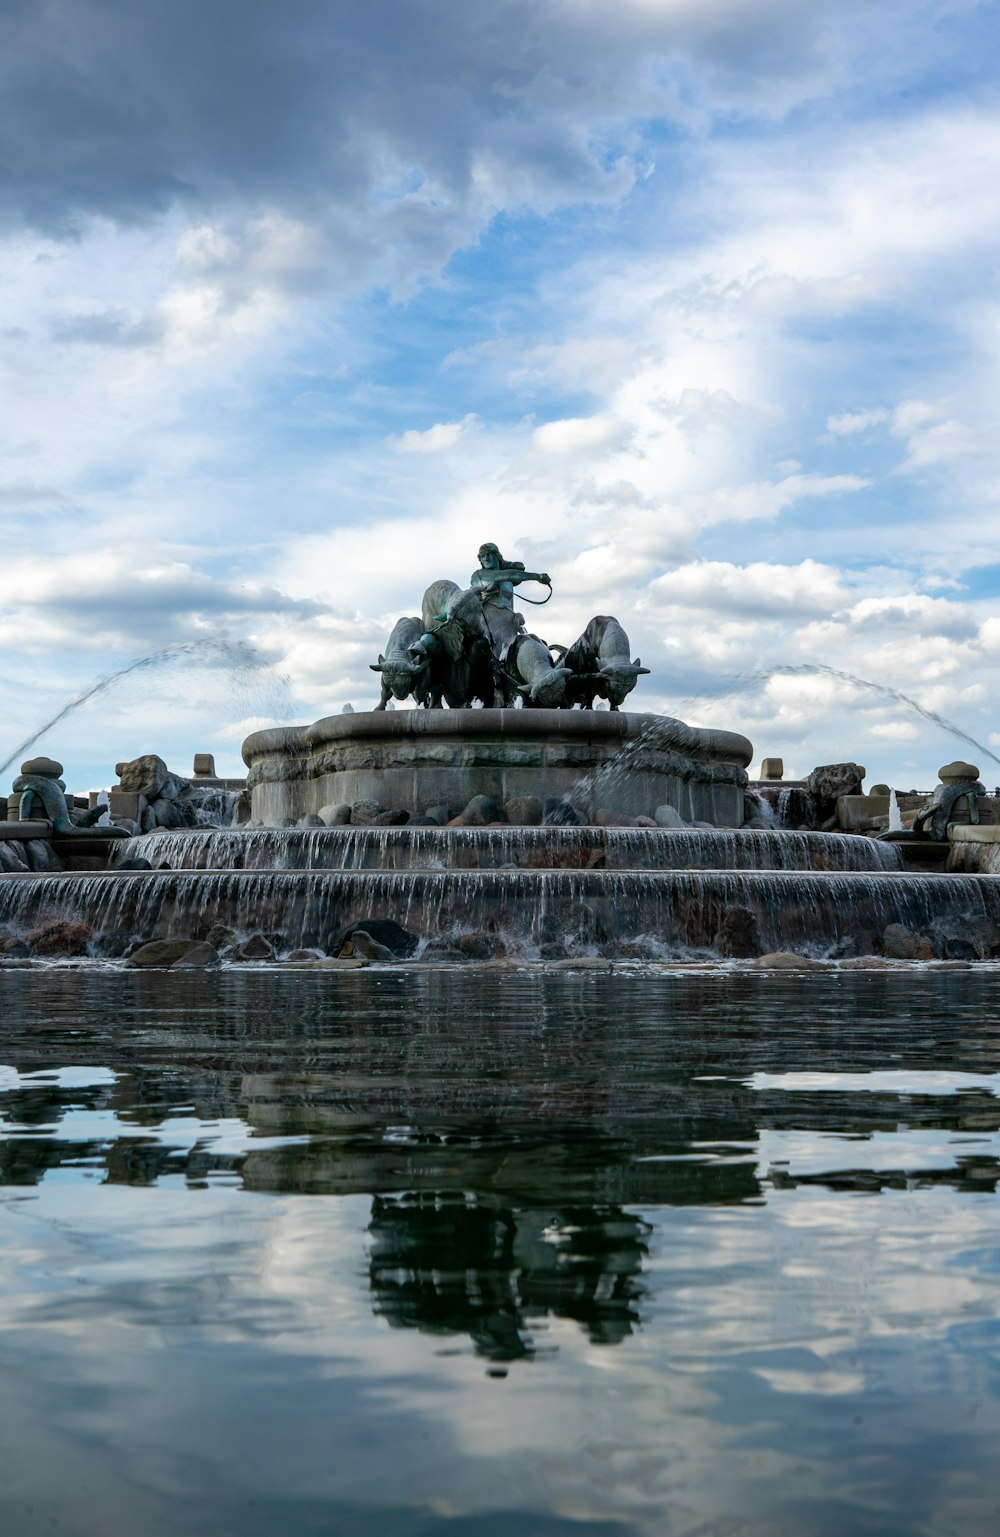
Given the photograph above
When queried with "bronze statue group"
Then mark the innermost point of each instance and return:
(470, 646)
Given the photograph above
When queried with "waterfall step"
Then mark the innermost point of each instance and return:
(671, 912)
(474, 848)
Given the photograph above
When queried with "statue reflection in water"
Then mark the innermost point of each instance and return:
(445, 1263)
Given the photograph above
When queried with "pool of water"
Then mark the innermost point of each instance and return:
(402, 1254)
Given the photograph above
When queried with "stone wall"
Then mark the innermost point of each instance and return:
(412, 759)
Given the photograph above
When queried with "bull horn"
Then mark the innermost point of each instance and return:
(375, 666)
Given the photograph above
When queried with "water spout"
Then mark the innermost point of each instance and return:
(239, 655)
(895, 819)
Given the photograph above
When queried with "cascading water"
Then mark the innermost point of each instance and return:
(498, 848)
(670, 913)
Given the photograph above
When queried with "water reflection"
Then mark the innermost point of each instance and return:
(729, 1242)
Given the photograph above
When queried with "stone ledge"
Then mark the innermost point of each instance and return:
(970, 833)
(25, 830)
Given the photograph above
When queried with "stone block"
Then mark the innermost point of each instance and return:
(772, 768)
(128, 804)
(583, 756)
(501, 755)
(204, 765)
(969, 832)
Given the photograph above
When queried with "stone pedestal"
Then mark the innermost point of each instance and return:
(409, 760)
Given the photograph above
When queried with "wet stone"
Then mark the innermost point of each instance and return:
(256, 948)
(162, 952)
(384, 931)
(785, 960)
(337, 814)
(482, 810)
(738, 937)
(479, 947)
(524, 810)
(197, 956)
(361, 943)
(59, 937)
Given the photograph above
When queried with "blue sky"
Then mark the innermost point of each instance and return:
(692, 303)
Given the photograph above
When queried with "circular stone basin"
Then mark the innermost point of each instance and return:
(412, 759)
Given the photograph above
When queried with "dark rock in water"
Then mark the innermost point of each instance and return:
(738, 937)
(311, 820)
(525, 810)
(363, 813)
(133, 864)
(257, 948)
(439, 814)
(12, 860)
(163, 952)
(482, 810)
(598, 920)
(480, 947)
(304, 955)
(220, 936)
(166, 814)
(423, 822)
(557, 812)
(361, 945)
(384, 931)
(197, 956)
(605, 818)
(445, 953)
(392, 818)
(41, 856)
(958, 949)
(642, 821)
(784, 960)
(58, 937)
(901, 944)
(336, 814)
(16, 949)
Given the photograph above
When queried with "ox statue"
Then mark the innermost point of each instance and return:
(599, 662)
(533, 674)
(454, 642)
(402, 674)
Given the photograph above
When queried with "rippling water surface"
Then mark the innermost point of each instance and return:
(413, 1253)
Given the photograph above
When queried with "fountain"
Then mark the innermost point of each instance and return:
(461, 834)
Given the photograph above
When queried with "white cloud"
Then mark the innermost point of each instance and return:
(433, 439)
(577, 435)
(849, 422)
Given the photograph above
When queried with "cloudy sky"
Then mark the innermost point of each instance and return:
(691, 303)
